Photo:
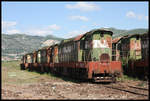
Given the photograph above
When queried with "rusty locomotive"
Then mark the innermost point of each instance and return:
(133, 51)
(87, 56)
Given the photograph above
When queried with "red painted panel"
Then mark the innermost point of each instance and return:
(141, 63)
(116, 66)
(35, 65)
(97, 67)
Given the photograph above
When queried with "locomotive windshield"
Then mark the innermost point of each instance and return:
(101, 40)
(100, 44)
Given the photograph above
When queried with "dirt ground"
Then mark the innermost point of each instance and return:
(20, 84)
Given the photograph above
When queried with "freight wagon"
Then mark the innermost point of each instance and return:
(132, 50)
(26, 61)
(142, 65)
(87, 56)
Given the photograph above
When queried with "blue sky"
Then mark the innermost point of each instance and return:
(69, 19)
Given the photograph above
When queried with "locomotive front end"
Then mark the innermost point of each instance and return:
(101, 67)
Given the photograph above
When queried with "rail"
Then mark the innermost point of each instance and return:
(132, 90)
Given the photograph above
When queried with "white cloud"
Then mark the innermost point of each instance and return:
(39, 32)
(83, 18)
(132, 14)
(8, 24)
(83, 6)
(13, 31)
(54, 27)
(9, 27)
(48, 30)
(74, 33)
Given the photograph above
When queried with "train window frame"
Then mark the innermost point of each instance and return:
(138, 37)
(101, 34)
(119, 46)
(82, 43)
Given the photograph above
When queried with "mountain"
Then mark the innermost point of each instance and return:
(15, 45)
(121, 32)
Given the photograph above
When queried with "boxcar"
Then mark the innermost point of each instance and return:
(28, 60)
(142, 65)
(133, 52)
(23, 61)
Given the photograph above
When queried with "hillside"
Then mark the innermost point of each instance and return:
(121, 32)
(13, 46)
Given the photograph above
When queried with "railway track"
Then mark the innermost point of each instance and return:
(138, 88)
(130, 89)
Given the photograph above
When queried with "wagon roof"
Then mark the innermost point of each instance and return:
(72, 39)
(115, 40)
(44, 48)
(146, 33)
(134, 35)
(28, 53)
(34, 51)
(78, 37)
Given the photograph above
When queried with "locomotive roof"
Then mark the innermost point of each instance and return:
(79, 37)
(146, 33)
(97, 30)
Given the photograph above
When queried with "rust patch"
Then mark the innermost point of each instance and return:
(78, 37)
(109, 41)
(104, 58)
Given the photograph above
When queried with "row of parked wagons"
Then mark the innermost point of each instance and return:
(87, 56)
(93, 55)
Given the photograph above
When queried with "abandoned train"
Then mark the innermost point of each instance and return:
(133, 51)
(87, 56)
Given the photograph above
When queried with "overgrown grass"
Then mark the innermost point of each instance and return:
(126, 78)
(11, 64)
(11, 74)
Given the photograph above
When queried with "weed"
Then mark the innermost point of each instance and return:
(126, 78)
